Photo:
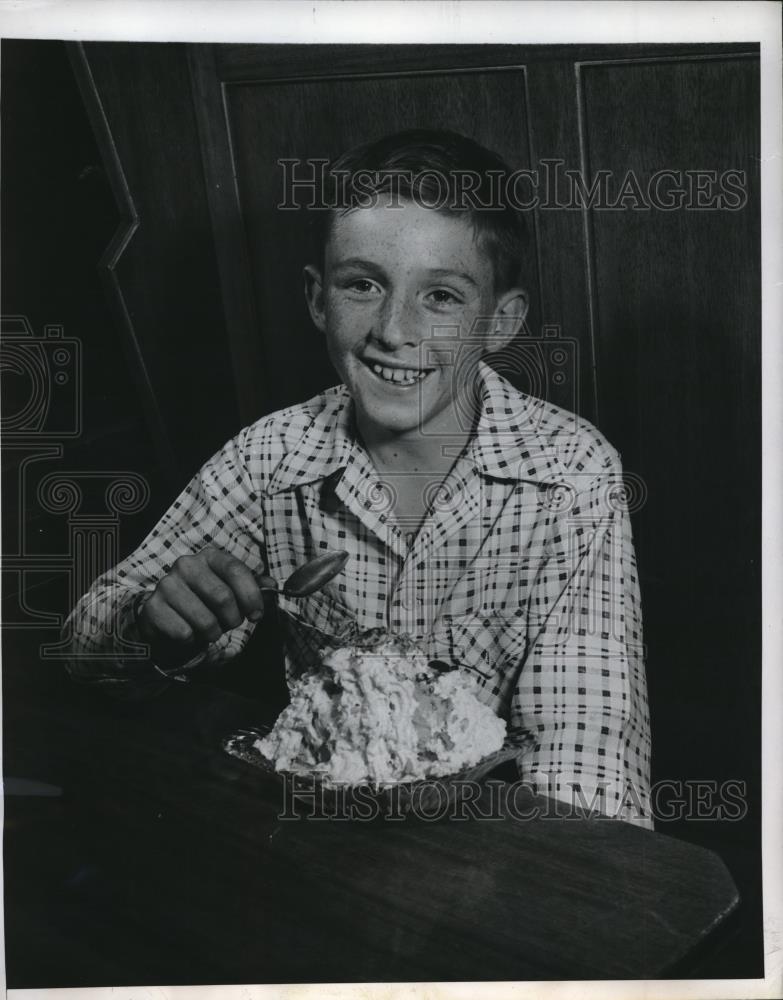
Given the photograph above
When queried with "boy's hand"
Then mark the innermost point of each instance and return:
(200, 598)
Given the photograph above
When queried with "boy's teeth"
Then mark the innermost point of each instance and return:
(401, 376)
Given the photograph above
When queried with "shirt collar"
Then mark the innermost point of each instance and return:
(323, 447)
(517, 438)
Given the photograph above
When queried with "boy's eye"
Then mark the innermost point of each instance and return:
(363, 286)
(444, 297)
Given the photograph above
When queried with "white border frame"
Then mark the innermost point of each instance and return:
(517, 22)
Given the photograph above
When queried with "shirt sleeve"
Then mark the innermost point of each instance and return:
(218, 507)
(582, 687)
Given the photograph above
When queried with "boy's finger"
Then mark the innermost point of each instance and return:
(160, 620)
(243, 584)
(172, 642)
(180, 596)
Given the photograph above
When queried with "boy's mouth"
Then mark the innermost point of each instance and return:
(402, 377)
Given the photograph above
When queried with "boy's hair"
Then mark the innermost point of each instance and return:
(441, 170)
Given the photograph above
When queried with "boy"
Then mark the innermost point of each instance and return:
(480, 520)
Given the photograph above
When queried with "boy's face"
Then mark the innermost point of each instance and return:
(392, 275)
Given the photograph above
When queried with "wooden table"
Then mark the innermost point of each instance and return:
(190, 846)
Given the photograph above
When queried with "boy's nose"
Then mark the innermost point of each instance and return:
(396, 326)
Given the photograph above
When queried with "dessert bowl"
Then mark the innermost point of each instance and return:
(379, 722)
(429, 797)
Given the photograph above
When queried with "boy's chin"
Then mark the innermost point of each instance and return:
(399, 421)
(394, 424)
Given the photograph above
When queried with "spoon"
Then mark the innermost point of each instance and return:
(309, 577)
(304, 580)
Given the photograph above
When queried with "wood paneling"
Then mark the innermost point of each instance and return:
(167, 270)
(560, 233)
(676, 316)
(58, 216)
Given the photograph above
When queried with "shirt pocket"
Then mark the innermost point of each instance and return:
(491, 645)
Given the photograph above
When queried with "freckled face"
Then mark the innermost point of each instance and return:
(392, 275)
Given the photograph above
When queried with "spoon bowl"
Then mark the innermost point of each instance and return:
(310, 576)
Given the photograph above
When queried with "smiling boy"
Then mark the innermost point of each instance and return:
(391, 275)
(481, 521)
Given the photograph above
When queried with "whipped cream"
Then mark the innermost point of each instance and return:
(377, 713)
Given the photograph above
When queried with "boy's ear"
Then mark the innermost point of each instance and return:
(509, 316)
(314, 294)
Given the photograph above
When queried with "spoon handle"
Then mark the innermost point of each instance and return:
(267, 585)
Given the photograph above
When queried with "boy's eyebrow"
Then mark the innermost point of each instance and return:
(446, 272)
(435, 272)
(360, 262)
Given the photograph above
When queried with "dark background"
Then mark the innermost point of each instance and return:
(123, 224)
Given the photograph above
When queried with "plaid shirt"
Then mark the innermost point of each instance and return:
(523, 572)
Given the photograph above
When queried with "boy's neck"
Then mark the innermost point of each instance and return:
(419, 454)
(416, 452)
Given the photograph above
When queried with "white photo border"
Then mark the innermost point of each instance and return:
(515, 22)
